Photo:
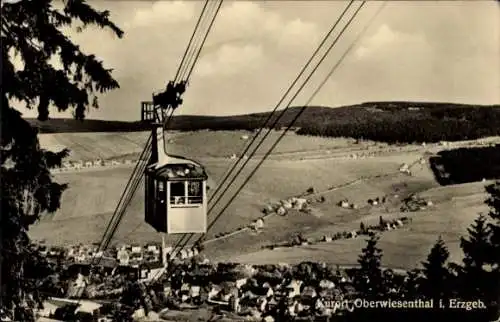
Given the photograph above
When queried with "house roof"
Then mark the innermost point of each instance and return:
(135, 255)
(273, 301)
(178, 169)
(108, 262)
(88, 306)
(294, 284)
(330, 293)
(308, 291)
(250, 294)
(44, 319)
(261, 290)
(326, 284)
(216, 288)
(151, 265)
(84, 305)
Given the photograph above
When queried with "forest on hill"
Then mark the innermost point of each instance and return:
(392, 122)
(464, 165)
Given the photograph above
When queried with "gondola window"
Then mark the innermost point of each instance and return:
(161, 192)
(177, 193)
(195, 194)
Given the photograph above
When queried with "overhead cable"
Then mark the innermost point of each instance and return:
(305, 82)
(291, 124)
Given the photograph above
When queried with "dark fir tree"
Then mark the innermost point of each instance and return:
(130, 301)
(32, 38)
(477, 247)
(475, 277)
(493, 202)
(435, 271)
(411, 284)
(369, 281)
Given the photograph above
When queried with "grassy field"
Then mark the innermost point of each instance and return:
(91, 146)
(92, 196)
(206, 144)
(403, 248)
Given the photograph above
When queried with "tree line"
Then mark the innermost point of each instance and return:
(466, 165)
(415, 131)
(385, 122)
(391, 122)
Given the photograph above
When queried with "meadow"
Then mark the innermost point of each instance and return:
(455, 209)
(299, 163)
(205, 144)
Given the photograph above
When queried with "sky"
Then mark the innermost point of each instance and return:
(419, 51)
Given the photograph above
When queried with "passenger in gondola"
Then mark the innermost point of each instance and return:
(170, 87)
(180, 88)
(167, 97)
(178, 101)
(171, 97)
(171, 94)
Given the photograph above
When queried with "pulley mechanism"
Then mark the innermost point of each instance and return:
(171, 97)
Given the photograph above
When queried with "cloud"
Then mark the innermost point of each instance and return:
(246, 36)
(386, 39)
(253, 21)
(386, 65)
(298, 34)
(229, 60)
(245, 19)
(161, 12)
(243, 35)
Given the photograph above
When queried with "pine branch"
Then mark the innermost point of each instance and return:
(32, 31)
(88, 15)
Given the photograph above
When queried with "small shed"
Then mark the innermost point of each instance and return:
(136, 249)
(344, 204)
(259, 223)
(281, 211)
(286, 204)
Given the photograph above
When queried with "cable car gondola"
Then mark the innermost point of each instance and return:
(175, 187)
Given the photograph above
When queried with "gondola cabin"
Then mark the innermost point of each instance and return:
(176, 197)
(176, 200)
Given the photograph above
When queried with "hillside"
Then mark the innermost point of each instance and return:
(92, 196)
(60, 125)
(380, 121)
(455, 209)
(299, 163)
(119, 145)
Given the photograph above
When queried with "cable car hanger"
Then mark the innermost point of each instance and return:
(176, 187)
